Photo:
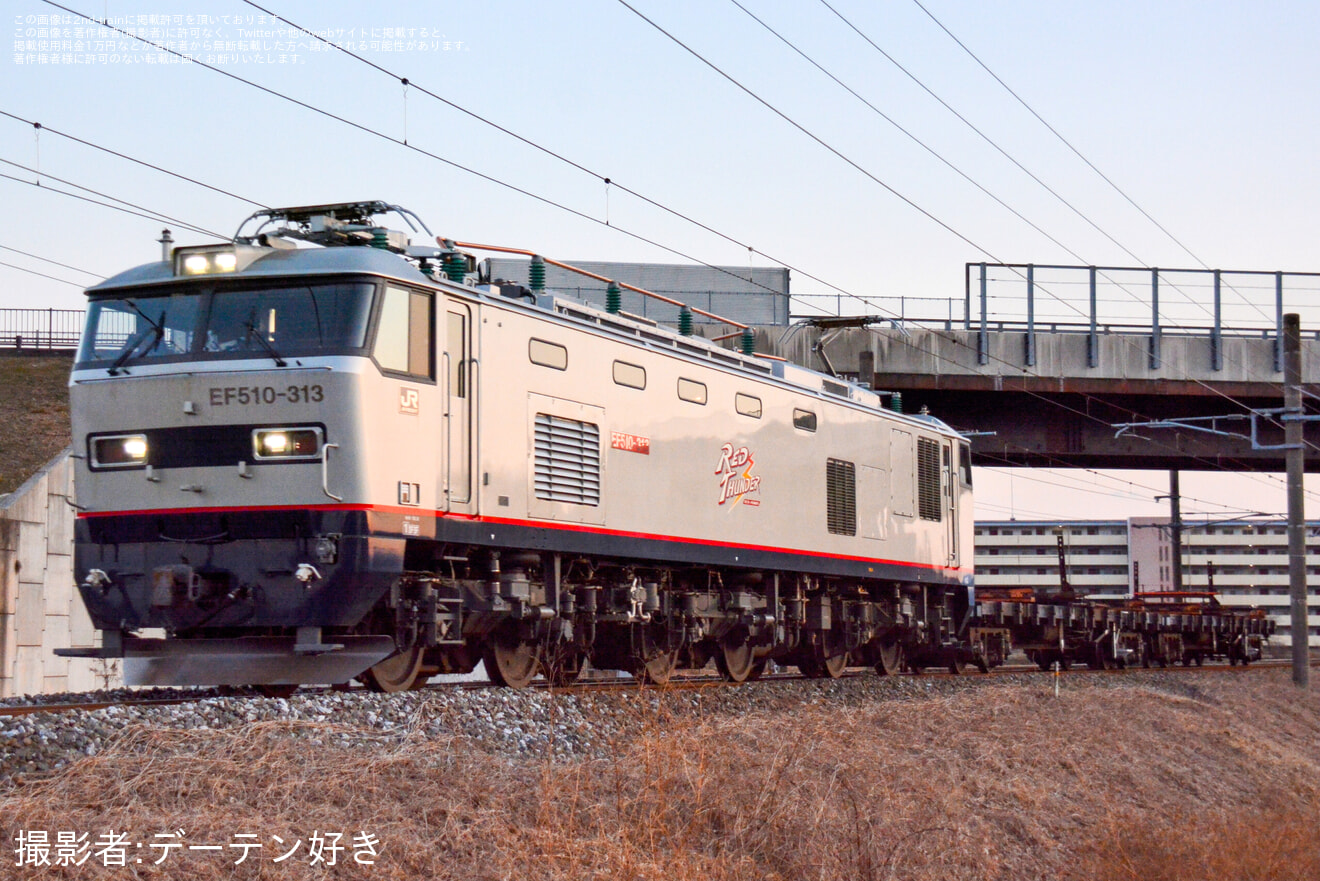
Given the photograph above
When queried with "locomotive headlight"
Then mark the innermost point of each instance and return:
(274, 443)
(195, 264)
(211, 259)
(287, 443)
(120, 451)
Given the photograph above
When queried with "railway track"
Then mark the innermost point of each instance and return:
(689, 682)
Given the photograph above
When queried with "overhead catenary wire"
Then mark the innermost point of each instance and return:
(610, 182)
(810, 134)
(935, 153)
(917, 80)
(53, 262)
(45, 128)
(850, 162)
(141, 212)
(857, 166)
(1061, 138)
(381, 135)
(42, 274)
(1081, 214)
(1106, 178)
(887, 118)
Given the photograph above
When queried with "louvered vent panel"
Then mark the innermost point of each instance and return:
(567, 460)
(841, 497)
(928, 479)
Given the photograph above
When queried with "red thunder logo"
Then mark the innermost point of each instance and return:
(737, 482)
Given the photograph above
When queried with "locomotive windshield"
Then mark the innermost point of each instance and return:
(218, 323)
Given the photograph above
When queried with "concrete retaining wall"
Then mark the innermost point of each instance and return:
(40, 609)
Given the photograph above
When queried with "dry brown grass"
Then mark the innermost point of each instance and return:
(992, 783)
(34, 414)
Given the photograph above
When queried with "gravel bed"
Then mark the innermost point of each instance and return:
(528, 722)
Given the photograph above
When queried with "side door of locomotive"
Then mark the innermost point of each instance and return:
(459, 377)
(949, 481)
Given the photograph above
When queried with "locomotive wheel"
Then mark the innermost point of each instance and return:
(815, 667)
(398, 672)
(957, 666)
(835, 665)
(281, 690)
(510, 661)
(736, 663)
(889, 659)
(658, 668)
(654, 659)
(562, 668)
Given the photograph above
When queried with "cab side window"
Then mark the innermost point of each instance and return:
(405, 339)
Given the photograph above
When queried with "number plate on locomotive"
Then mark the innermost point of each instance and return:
(247, 395)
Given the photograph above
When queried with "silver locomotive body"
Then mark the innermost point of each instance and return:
(309, 464)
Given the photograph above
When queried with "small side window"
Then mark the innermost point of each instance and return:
(629, 374)
(546, 354)
(457, 346)
(747, 405)
(965, 464)
(691, 390)
(804, 419)
(404, 333)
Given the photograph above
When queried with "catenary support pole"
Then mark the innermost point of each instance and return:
(1176, 528)
(1292, 432)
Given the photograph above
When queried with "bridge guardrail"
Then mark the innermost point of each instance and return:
(1251, 300)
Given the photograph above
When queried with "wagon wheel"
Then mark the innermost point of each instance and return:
(398, 672)
(736, 662)
(509, 661)
(276, 690)
(889, 659)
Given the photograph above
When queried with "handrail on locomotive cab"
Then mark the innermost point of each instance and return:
(325, 471)
(449, 243)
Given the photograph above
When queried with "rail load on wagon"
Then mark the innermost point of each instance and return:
(1146, 629)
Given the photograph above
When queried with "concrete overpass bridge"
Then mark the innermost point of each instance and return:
(1048, 390)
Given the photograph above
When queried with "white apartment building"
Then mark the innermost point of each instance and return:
(1244, 560)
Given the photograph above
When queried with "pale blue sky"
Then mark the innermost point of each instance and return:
(1202, 112)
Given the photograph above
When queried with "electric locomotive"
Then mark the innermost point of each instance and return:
(321, 452)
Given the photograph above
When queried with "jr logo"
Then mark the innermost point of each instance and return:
(737, 483)
(409, 401)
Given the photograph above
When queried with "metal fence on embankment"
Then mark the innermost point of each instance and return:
(41, 329)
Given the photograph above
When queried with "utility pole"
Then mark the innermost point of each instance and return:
(1292, 438)
(1176, 525)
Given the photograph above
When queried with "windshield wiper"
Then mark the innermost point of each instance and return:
(255, 334)
(157, 331)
